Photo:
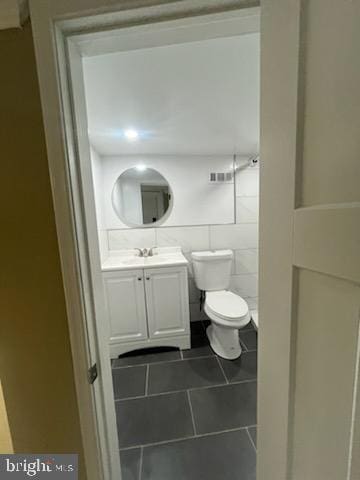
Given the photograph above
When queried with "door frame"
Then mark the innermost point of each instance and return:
(58, 27)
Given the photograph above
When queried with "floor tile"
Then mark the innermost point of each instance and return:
(225, 407)
(253, 434)
(130, 464)
(243, 368)
(153, 419)
(129, 381)
(198, 351)
(243, 346)
(247, 327)
(249, 338)
(172, 376)
(199, 347)
(226, 456)
(146, 356)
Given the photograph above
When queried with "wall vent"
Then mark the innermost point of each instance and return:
(221, 177)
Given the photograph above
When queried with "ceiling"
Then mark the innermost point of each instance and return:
(193, 98)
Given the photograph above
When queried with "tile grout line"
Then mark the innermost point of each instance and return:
(251, 440)
(217, 385)
(221, 368)
(182, 356)
(243, 345)
(164, 361)
(191, 411)
(169, 227)
(181, 439)
(141, 461)
(147, 363)
(179, 359)
(147, 380)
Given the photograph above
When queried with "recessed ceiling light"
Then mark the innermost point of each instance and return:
(141, 167)
(131, 134)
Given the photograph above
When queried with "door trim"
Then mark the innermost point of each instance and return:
(279, 112)
(292, 244)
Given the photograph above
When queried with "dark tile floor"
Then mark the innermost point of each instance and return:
(187, 415)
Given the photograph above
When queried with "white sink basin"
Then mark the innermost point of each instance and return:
(167, 256)
(156, 259)
(144, 260)
(132, 261)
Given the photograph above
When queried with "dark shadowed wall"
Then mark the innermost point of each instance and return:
(35, 359)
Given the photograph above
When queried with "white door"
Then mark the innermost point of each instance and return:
(152, 204)
(167, 301)
(309, 401)
(125, 303)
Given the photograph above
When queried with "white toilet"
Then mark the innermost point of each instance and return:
(227, 311)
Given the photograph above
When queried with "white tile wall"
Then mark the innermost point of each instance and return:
(131, 238)
(252, 302)
(234, 236)
(246, 261)
(245, 280)
(247, 209)
(247, 183)
(190, 238)
(245, 285)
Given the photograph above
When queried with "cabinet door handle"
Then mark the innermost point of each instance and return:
(139, 278)
(147, 278)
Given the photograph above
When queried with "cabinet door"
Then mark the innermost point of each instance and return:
(125, 299)
(167, 301)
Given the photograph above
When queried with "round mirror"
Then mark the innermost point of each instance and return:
(141, 196)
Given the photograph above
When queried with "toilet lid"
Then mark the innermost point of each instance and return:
(226, 304)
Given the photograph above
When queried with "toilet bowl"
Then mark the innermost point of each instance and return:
(227, 311)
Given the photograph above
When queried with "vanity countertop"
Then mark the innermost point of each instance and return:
(130, 259)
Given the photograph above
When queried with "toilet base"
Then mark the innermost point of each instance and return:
(224, 341)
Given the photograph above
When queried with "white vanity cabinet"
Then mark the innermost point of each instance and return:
(167, 301)
(147, 308)
(125, 305)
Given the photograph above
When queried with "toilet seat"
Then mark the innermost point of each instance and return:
(227, 309)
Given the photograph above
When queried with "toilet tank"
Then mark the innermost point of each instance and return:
(212, 269)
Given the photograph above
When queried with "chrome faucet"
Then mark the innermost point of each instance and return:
(145, 252)
(151, 251)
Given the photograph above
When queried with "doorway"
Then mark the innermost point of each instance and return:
(117, 170)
